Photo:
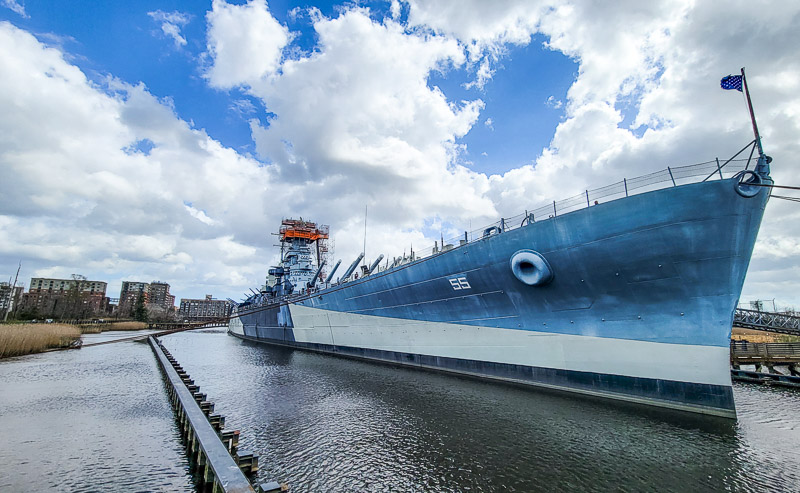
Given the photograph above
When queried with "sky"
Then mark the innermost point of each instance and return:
(166, 140)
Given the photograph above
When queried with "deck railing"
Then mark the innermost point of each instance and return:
(669, 177)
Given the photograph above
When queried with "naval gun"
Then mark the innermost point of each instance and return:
(316, 275)
(375, 264)
(330, 276)
(352, 267)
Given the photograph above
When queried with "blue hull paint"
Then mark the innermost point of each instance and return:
(665, 267)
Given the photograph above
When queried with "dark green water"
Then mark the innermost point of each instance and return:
(98, 420)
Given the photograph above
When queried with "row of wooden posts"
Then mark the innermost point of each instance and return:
(210, 461)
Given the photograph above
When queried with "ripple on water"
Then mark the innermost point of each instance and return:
(323, 423)
(97, 419)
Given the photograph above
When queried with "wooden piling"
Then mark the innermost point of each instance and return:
(207, 453)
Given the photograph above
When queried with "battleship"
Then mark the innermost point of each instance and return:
(624, 292)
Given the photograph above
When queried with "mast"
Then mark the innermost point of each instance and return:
(752, 114)
(365, 234)
(11, 297)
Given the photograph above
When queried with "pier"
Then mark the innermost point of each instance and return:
(213, 453)
(163, 330)
(766, 356)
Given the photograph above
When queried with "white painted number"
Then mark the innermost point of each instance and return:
(459, 283)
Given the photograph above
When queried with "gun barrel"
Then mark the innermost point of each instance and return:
(375, 264)
(352, 266)
(316, 275)
(330, 276)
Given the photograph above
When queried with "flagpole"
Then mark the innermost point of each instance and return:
(752, 115)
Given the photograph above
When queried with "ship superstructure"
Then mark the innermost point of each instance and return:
(303, 248)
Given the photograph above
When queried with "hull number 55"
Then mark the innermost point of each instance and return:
(459, 283)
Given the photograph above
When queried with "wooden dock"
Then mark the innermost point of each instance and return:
(765, 356)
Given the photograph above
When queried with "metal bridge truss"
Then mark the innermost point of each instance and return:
(767, 321)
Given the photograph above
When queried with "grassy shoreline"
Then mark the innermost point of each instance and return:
(27, 338)
(21, 339)
(105, 327)
(752, 335)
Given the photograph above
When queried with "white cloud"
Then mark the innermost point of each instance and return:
(16, 7)
(171, 24)
(357, 122)
(73, 197)
(657, 65)
(552, 102)
(242, 107)
(483, 28)
(199, 215)
(244, 42)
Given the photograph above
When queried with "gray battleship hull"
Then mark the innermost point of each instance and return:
(638, 306)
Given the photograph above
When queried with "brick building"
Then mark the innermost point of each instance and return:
(196, 310)
(158, 295)
(129, 294)
(65, 298)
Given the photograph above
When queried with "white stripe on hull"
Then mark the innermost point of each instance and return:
(235, 326)
(676, 362)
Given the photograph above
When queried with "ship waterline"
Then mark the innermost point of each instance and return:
(692, 378)
(630, 299)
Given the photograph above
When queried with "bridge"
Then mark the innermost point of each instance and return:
(221, 322)
(767, 321)
(163, 329)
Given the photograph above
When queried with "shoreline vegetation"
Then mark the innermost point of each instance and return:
(19, 339)
(751, 335)
(107, 326)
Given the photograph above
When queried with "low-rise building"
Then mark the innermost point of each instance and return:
(197, 310)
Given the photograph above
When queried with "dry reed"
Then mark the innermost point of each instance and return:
(751, 335)
(91, 328)
(96, 328)
(19, 339)
(126, 326)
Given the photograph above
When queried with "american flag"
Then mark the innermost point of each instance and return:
(731, 82)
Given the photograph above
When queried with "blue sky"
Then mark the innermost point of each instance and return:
(123, 41)
(166, 140)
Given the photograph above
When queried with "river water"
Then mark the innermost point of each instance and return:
(98, 420)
